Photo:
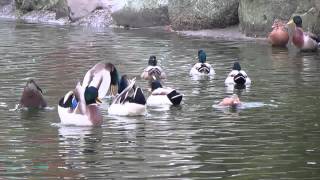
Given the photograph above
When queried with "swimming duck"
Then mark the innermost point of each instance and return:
(232, 101)
(130, 101)
(202, 68)
(80, 107)
(279, 35)
(163, 96)
(153, 71)
(32, 96)
(103, 76)
(303, 40)
(237, 77)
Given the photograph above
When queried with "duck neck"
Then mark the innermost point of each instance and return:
(297, 38)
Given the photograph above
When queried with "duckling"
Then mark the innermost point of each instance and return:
(237, 77)
(130, 101)
(202, 68)
(153, 71)
(304, 41)
(80, 107)
(163, 96)
(32, 96)
(279, 35)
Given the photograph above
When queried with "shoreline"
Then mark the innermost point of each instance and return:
(228, 33)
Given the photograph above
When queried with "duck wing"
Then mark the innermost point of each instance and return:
(124, 94)
(99, 77)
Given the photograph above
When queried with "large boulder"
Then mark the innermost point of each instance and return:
(58, 6)
(5, 2)
(140, 13)
(203, 14)
(81, 8)
(256, 16)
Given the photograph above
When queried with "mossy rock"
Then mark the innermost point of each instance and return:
(58, 6)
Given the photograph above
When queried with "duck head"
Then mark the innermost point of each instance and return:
(202, 56)
(114, 78)
(155, 85)
(152, 61)
(32, 96)
(123, 84)
(91, 95)
(236, 66)
(296, 20)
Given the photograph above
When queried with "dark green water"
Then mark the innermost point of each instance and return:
(275, 137)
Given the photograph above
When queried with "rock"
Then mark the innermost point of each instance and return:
(140, 13)
(5, 2)
(81, 8)
(256, 17)
(100, 18)
(7, 9)
(57, 6)
(203, 14)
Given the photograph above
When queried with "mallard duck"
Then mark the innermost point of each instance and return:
(163, 96)
(237, 77)
(103, 76)
(130, 101)
(279, 35)
(153, 71)
(303, 40)
(80, 107)
(32, 96)
(231, 101)
(202, 68)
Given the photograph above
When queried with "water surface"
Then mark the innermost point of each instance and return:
(276, 136)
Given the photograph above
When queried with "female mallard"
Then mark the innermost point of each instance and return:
(202, 68)
(163, 96)
(232, 101)
(153, 71)
(32, 96)
(279, 35)
(303, 40)
(237, 77)
(103, 76)
(130, 101)
(80, 107)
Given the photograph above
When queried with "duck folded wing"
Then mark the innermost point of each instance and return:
(124, 94)
(175, 97)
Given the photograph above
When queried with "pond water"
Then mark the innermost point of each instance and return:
(275, 135)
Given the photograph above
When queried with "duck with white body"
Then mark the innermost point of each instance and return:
(163, 96)
(202, 68)
(130, 101)
(237, 78)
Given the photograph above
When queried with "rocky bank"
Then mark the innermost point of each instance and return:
(253, 17)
